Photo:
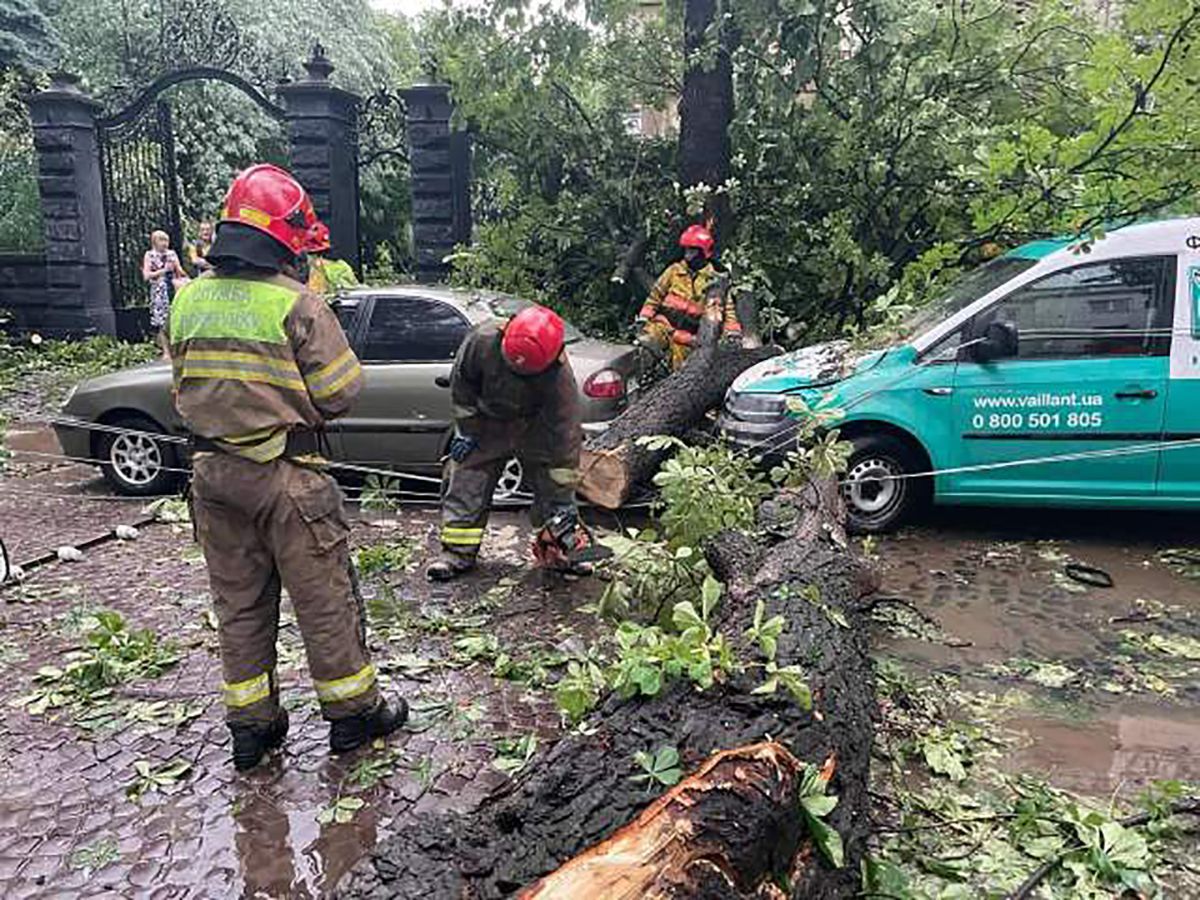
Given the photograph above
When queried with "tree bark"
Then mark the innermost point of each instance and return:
(580, 791)
(706, 107)
(720, 833)
(614, 464)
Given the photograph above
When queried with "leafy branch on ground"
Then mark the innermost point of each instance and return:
(111, 654)
(973, 830)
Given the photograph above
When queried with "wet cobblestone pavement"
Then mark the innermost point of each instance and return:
(81, 814)
(68, 825)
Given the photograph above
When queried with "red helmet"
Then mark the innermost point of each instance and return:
(318, 238)
(699, 237)
(269, 199)
(533, 340)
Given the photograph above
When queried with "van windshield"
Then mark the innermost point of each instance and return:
(966, 290)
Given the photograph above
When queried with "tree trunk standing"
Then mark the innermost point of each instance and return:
(730, 846)
(706, 107)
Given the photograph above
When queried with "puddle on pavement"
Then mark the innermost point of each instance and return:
(1000, 592)
(1124, 748)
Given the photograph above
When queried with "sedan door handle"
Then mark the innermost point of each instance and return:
(442, 381)
(1149, 394)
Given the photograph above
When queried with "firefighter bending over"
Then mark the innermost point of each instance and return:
(513, 394)
(671, 315)
(260, 364)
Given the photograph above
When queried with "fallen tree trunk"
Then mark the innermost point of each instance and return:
(580, 791)
(614, 464)
(729, 825)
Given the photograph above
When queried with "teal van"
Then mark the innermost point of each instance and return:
(1063, 373)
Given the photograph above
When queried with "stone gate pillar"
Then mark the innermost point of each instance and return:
(322, 134)
(78, 298)
(439, 162)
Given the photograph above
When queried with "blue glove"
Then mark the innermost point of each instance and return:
(462, 446)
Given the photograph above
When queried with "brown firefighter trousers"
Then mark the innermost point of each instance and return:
(264, 526)
(469, 485)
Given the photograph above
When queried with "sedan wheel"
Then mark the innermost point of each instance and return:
(135, 463)
(508, 488)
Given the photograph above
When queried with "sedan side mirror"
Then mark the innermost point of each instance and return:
(1000, 340)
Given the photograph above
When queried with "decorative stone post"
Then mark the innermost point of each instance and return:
(322, 125)
(78, 299)
(439, 161)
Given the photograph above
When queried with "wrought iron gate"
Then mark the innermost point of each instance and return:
(141, 194)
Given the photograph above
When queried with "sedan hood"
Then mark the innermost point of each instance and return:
(150, 374)
(813, 366)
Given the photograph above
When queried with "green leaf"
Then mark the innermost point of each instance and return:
(1124, 846)
(767, 687)
(684, 616)
(666, 757)
(710, 595)
(819, 805)
(942, 758)
(828, 841)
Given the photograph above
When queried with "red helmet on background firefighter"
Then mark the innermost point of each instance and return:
(699, 237)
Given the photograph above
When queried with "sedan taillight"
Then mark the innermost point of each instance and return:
(607, 384)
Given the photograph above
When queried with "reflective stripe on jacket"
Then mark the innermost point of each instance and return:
(255, 357)
(678, 300)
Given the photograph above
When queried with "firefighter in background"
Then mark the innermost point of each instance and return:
(513, 394)
(260, 364)
(326, 276)
(671, 315)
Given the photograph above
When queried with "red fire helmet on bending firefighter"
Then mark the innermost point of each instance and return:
(269, 199)
(533, 340)
(699, 237)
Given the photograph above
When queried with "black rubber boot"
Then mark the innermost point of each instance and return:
(352, 732)
(251, 742)
(448, 566)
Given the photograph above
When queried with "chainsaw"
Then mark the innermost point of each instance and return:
(565, 539)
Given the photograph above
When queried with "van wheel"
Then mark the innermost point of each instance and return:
(878, 495)
(135, 464)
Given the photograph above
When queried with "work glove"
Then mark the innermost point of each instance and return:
(462, 446)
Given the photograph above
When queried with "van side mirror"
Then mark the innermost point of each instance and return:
(1000, 340)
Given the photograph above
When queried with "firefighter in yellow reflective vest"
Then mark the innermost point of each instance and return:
(260, 364)
(327, 276)
(670, 317)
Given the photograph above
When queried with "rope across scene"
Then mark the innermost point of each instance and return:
(775, 442)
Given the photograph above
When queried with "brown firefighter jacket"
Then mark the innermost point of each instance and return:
(490, 399)
(677, 301)
(254, 357)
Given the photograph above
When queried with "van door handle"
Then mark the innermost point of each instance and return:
(1136, 395)
(939, 391)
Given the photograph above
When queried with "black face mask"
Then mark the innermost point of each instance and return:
(697, 262)
(303, 267)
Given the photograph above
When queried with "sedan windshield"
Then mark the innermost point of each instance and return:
(966, 290)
